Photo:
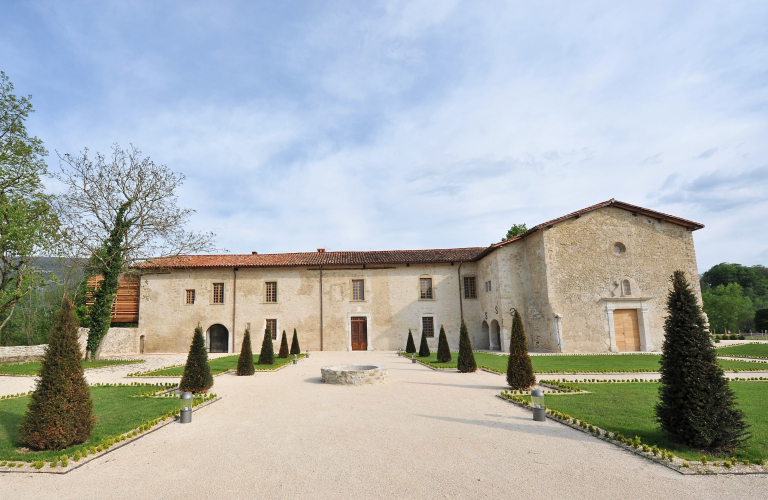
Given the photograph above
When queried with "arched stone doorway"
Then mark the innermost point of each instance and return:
(218, 338)
(495, 336)
(481, 342)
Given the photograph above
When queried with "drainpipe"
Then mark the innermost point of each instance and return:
(234, 308)
(461, 303)
(321, 308)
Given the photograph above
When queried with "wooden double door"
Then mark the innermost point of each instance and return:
(359, 333)
(627, 330)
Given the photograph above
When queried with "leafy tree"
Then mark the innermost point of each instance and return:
(519, 368)
(283, 347)
(727, 307)
(267, 355)
(295, 349)
(754, 280)
(60, 413)
(197, 373)
(443, 349)
(515, 230)
(761, 320)
(423, 346)
(466, 363)
(696, 406)
(245, 360)
(28, 223)
(410, 347)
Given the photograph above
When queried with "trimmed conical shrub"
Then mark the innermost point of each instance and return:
(519, 368)
(466, 363)
(696, 406)
(410, 347)
(197, 373)
(423, 347)
(295, 349)
(245, 361)
(267, 356)
(60, 413)
(443, 349)
(283, 347)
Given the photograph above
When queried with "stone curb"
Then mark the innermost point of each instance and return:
(66, 470)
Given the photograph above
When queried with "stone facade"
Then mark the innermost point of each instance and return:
(564, 278)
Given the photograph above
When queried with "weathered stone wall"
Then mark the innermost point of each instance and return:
(22, 353)
(117, 341)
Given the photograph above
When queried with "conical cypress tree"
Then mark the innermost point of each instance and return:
(410, 347)
(267, 356)
(60, 413)
(443, 349)
(295, 349)
(696, 406)
(245, 361)
(519, 368)
(466, 362)
(197, 373)
(423, 347)
(283, 347)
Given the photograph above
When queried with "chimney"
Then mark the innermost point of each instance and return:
(321, 250)
(254, 253)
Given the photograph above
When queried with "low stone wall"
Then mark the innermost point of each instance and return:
(354, 374)
(117, 342)
(22, 353)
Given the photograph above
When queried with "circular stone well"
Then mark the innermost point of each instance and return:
(354, 374)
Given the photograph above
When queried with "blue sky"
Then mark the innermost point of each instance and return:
(414, 124)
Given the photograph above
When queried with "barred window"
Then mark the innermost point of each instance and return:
(470, 291)
(425, 285)
(272, 327)
(428, 326)
(190, 297)
(218, 293)
(358, 289)
(271, 291)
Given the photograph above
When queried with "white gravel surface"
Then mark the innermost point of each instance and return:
(425, 434)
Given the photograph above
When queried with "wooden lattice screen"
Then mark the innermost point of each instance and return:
(126, 307)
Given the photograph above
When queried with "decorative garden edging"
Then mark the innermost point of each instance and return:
(127, 362)
(81, 458)
(215, 373)
(633, 445)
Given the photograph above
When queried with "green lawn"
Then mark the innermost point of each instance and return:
(628, 409)
(220, 365)
(753, 350)
(576, 364)
(117, 413)
(33, 367)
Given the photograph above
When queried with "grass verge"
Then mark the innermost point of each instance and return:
(747, 350)
(218, 365)
(32, 367)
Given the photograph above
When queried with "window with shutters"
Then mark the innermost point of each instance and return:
(272, 326)
(470, 290)
(218, 293)
(425, 286)
(189, 297)
(271, 292)
(428, 326)
(358, 289)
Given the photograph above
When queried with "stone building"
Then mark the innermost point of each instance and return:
(591, 281)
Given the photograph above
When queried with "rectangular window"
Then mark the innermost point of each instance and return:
(428, 327)
(487, 286)
(218, 293)
(190, 297)
(272, 325)
(271, 292)
(425, 285)
(470, 292)
(358, 289)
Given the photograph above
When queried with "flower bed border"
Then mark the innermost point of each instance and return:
(230, 370)
(127, 362)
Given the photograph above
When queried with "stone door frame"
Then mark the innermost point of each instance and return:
(643, 321)
(367, 317)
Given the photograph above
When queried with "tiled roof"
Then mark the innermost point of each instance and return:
(388, 256)
(316, 259)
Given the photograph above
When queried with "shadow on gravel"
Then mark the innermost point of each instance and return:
(539, 430)
(463, 386)
(314, 380)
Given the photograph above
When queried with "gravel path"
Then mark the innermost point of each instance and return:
(425, 434)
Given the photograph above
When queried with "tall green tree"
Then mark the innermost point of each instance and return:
(267, 355)
(424, 347)
(283, 347)
(519, 368)
(515, 230)
(60, 412)
(466, 362)
(197, 375)
(727, 308)
(696, 405)
(245, 360)
(295, 349)
(410, 346)
(28, 224)
(443, 349)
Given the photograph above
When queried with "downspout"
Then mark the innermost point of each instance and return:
(461, 302)
(321, 308)
(234, 308)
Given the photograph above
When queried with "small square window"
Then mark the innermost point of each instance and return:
(218, 293)
(470, 290)
(358, 289)
(272, 327)
(425, 285)
(271, 292)
(189, 297)
(428, 326)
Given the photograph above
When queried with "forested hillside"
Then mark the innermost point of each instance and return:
(732, 294)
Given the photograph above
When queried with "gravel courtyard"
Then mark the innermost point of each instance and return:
(425, 434)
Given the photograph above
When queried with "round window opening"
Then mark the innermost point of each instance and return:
(619, 248)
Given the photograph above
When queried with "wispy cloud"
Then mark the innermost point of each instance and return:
(707, 154)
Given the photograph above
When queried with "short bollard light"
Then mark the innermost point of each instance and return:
(186, 408)
(537, 403)
(398, 352)
(413, 358)
(307, 352)
(294, 359)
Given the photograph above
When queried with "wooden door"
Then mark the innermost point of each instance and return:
(627, 330)
(359, 334)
